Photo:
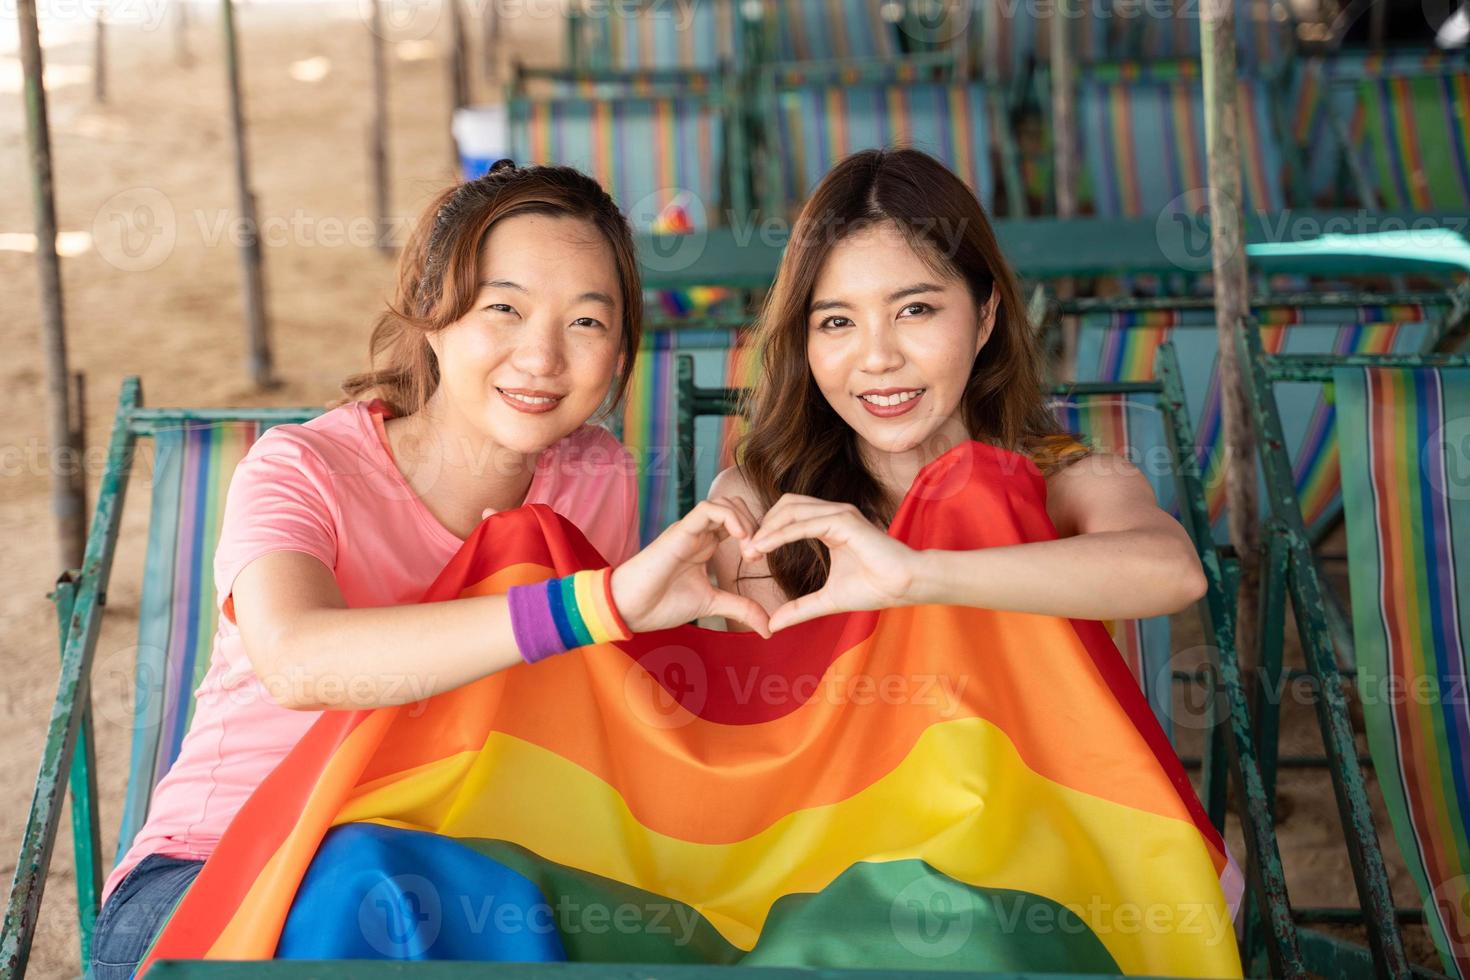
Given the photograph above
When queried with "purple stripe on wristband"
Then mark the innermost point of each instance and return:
(530, 622)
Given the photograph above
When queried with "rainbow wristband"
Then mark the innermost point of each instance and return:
(561, 614)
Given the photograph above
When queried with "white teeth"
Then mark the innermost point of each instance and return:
(527, 399)
(888, 401)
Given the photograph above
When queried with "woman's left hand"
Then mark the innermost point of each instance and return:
(869, 569)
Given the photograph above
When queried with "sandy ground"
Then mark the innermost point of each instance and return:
(157, 295)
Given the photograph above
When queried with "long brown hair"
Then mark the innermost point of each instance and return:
(797, 443)
(439, 274)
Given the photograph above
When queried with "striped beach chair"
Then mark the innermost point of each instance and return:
(1007, 39)
(1401, 421)
(720, 357)
(1413, 141)
(1142, 140)
(1120, 345)
(1146, 422)
(1407, 551)
(650, 153)
(812, 127)
(194, 454)
(1332, 99)
(1264, 34)
(831, 30)
(695, 36)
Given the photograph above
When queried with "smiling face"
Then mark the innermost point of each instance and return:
(535, 356)
(891, 343)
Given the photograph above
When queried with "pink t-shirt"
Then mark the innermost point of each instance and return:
(330, 489)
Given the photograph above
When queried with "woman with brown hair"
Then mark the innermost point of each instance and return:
(895, 332)
(516, 320)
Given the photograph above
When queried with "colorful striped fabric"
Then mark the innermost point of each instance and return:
(1006, 36)
(1416, 142)
(647, 152)
(884, 790)
(698, 35)
(1142, 136)
(1132, 426)
(825, 30)
(177, 615)
(721, 359)
(1407, 503)
(816, 126)
(1322, 88)
(1120, 346)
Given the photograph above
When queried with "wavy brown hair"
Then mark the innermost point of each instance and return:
(797, 443)
(439, 274)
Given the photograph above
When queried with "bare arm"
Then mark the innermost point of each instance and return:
(1119, 555)
(313, 652)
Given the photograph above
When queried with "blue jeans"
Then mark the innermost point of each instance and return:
(135, 912)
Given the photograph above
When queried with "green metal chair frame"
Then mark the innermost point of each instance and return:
(1288, 567)
(69, 756)
(1271, 936)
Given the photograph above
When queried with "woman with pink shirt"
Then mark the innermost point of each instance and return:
(516, 321)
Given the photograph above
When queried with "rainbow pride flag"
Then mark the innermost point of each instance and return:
(923, 787)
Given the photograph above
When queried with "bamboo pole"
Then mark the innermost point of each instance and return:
(378, 150)
(181, 34)
(99, 58)
(459, 77)
(459, 61)
(490, 41)
(68, 491)
(257, 332)
(1064, 149)
(1232, 301)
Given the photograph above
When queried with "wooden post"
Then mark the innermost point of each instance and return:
(257, 333)
(1064, 150)
(68, 496)
(99, 58)
(378, 150)
(459, 78)
(181, 34)
(459, 61)
(1232, 301)
(490, 40)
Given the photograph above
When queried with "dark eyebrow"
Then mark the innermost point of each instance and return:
(596, 297)
(893, 297)
(501, 284)
(914, 290)
(592, 296)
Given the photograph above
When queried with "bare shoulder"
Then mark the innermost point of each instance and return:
(732, 483)
(1100, 492)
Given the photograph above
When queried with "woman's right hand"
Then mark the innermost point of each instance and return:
(668, 584)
